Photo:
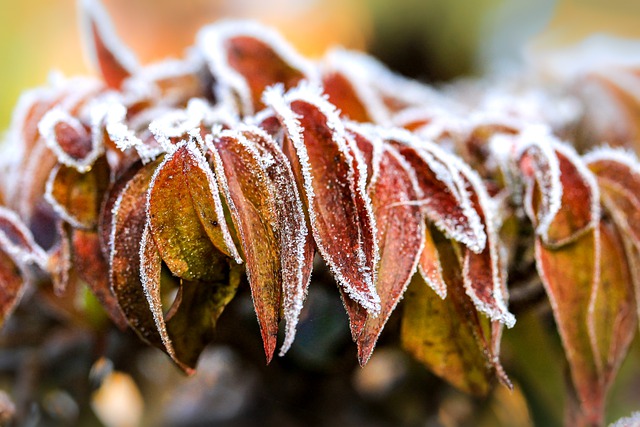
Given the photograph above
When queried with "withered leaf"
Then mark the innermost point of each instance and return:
(17, 240)
(186, 224)
(251, 197)
(569, 274)
(11, 285)
(344, 96)
(429, 266)
(333, 183)
(77, 197)
(446, 334)
(400, 236)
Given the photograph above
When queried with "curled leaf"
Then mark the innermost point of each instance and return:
(11, 285)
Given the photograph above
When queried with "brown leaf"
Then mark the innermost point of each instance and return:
(109, 55)
(90, 266)
(186, 217)
(128, 223)
(250, 194)
(333, 186)
(11, 285)
(400, 236)
(296, 243)
(446, 334)
(77, 197)
(429, 266)
(568, 274)
(344, 96)
(17, 241)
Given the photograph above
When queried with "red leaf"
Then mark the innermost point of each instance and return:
(92, 268)
(111, 57)
(11, 285)
(400, 236)
(333, 187)
(250, 195)
(246, 58)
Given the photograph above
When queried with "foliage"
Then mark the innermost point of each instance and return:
(163, 187)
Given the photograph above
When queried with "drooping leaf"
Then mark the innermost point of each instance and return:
(246, 58)
(11, 285)
(90, 266)
(189, 323)
(568, 274)
(128, 222)
(108, 54)
(333, 187)
(250, 195)
(446, 334)
(77, 197)
(296, 243)
(187, 224)
(400, 236)
(612, 316)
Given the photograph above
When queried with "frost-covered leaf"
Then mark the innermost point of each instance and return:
(333, 183)
(429, 266)
(77, 197)
(108, 54)
(400, 236)
(445, 197)
(246, 58)
(17, 241)
(11, 285)
(186, 217)
(569, 274)
(579, 207)
(188, 325)
(296, 243)
(612, 316)
(483, 278)
(250, 195)
(90, 265)
(127, 226)
(446, 334)
(69, 139)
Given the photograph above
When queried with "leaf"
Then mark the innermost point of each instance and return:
(127, 226)
(333, 187)
(107, 52)
(250, 196)
(77, 197)
(400, 236)
(296, 243)
(568, 274)
(612, 317)
(17, 241)
(446, 334)
(91, 266)
(579, 208)
(186, 217)
(446, 200)
(343, 93)
(246, 58)
(11, 285)
(429, 266)
(188, 326)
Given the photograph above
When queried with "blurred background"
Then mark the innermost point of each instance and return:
(435, 40)
(432, 40)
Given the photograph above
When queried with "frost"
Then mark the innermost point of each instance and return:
(631, 421)
(16, 239)
(211, 42)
